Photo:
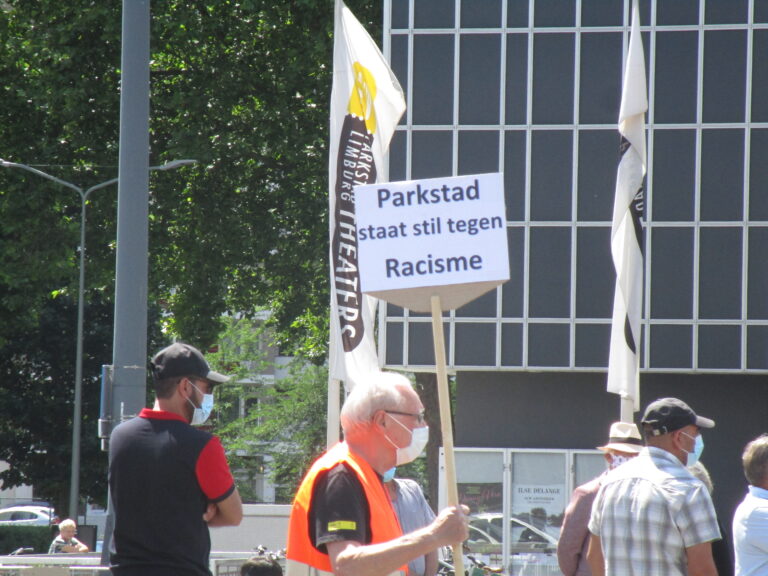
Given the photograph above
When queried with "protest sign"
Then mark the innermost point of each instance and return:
(442, 237)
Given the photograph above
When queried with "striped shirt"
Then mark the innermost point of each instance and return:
(647, 512)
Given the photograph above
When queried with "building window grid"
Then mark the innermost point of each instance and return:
(409, 127)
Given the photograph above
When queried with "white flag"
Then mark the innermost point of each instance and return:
(366, 105)
(627, 229)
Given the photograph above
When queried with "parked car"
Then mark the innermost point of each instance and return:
(27, 516)
(532, 550)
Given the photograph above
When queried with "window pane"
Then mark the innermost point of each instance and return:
(478, 152)
(555, 13)
(479, 77)
(482, 307)
(397, 157)
(595, 274)
(598, 162)
(512, 345)
(677, 12)
(421, 347)
(434, 13)
(548, 345)
(726, 11)
(724, 74)
(672, 273)
(675, 100)
(514, 175)
(534, 474)
(432, 74)
(475, 344)
(551, 159)
(515, 98)
(722, 175)
(517, 13)
(760, 75)
(486, 14)
(394, 343)
(399, 15)
(602, 13)
(757, 302)
(720, 274)
(480, 486)
(671, 347)
(432, 154)
(758, 199)
(399, 63)
(550, 273)
(674, 175)
(512, 291)
(757, 344)
(553, 78)
(720, 347)
(600, 84)
(593, 342)
(587, 466)
(761, 11)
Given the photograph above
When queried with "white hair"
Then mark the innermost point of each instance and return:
(68, 523)
(382, 391)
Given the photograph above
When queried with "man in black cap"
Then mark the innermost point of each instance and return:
(651, 515)
(169, 481)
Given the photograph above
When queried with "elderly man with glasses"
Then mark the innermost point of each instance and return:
(342, 521)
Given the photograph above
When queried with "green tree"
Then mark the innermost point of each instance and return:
(241, 87)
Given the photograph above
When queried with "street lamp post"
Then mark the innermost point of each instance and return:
(74, 487)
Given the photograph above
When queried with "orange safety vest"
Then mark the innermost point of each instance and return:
(384, 524)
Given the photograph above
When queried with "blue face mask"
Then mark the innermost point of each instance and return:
(202, 412)
(389, 474)
(698, 448)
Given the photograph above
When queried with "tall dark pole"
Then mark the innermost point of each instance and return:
(130, 336)
(129, 355)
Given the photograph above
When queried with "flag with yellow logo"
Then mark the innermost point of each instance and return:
(366, 105)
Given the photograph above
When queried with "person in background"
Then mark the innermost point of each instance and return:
(651, 516)
(750, 522)
(65, 542)
(169, 480)
(624, 443)
(342, 520)
(721, 549)
(413, 512)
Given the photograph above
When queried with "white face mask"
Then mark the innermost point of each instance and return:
(419, 439)
(201, 413)
(617, 460)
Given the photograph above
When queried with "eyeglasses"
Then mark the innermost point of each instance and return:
(419, 417)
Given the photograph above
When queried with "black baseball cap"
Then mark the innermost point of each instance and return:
(181, 359)
(666, 415)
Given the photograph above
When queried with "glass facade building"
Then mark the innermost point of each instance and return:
(532, 89)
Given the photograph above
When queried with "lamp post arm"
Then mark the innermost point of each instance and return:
(42, 174)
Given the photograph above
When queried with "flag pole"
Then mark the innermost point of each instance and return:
(627, 242)
(445, 419)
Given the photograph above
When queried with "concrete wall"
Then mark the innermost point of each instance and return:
(262, 525)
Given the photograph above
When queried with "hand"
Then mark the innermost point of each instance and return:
(210, 512)
(452, 525)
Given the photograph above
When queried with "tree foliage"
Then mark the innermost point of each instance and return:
(243, 88)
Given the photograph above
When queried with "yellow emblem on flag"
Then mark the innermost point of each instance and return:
(362, 97)
(342, 525)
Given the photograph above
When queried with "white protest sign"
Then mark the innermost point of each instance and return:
(439, 236)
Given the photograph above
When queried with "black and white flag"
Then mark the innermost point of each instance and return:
(627, 230)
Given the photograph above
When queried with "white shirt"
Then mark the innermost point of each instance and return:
(750, 534)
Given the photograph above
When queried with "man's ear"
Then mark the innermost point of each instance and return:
(380, 418)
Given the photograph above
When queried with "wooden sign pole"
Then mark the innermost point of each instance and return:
(446, 420)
